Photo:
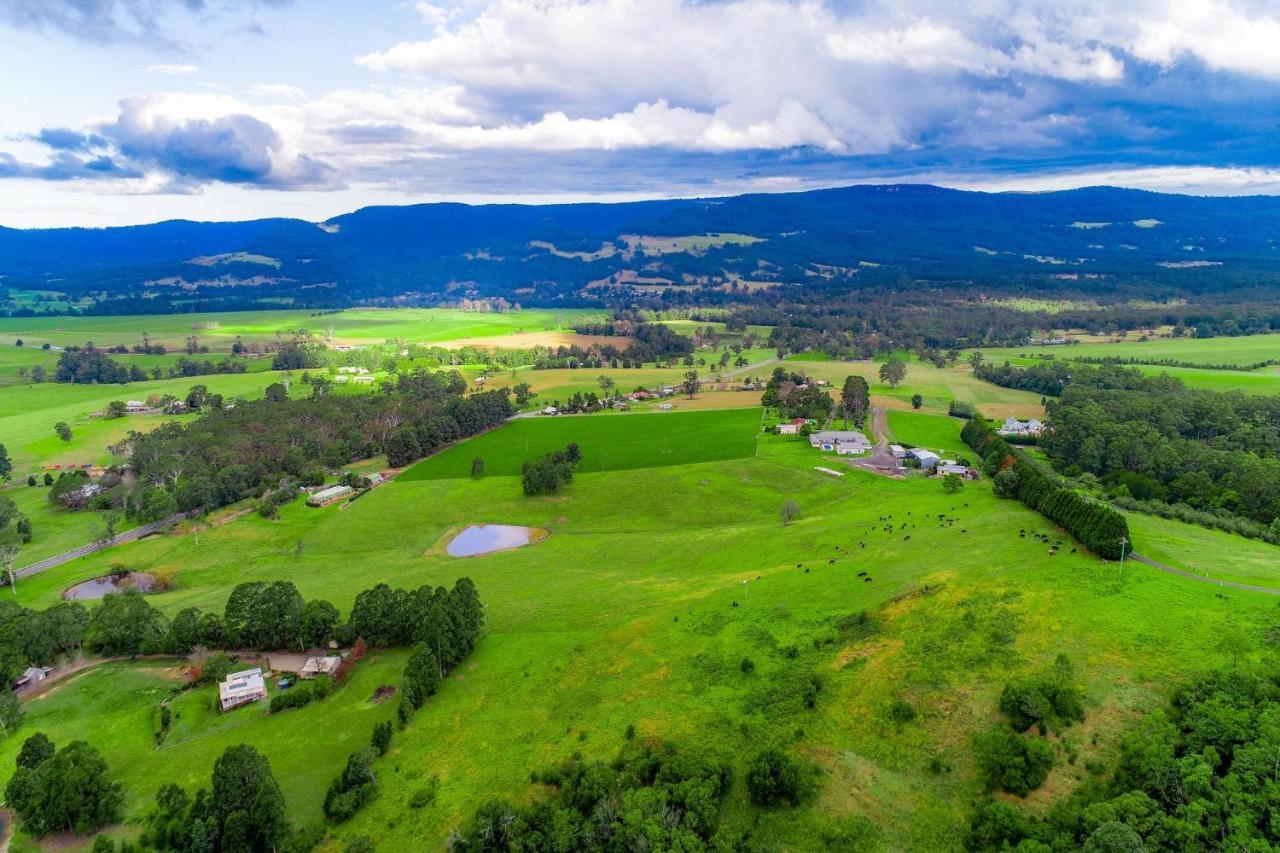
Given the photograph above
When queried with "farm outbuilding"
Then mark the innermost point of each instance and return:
(926, 458)
(326, 665)
(324, 497)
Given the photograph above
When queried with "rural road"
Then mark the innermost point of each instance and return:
(1147, 561)
(127, 536)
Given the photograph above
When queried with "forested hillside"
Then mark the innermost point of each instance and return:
(1097, 241)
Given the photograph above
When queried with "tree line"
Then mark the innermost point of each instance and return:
(1101, 528)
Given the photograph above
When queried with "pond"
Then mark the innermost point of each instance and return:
(484, 538)
(96, 588)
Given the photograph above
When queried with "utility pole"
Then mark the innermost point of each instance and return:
(1124, 542)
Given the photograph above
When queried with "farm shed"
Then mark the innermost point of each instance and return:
(324, 497)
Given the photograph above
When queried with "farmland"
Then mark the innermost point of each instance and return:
(608, 442)
(1244, 350)
(625, 615)
(667, 569)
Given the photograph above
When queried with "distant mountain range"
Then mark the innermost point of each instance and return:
(1090, 240)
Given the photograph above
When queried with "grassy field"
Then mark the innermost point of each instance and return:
(1212, 553)
(932, 432)
(1245, 350)
(938, 387)
(634, 612)
(609, 442)
(1265, 380)
(28, 413)
(219, 331)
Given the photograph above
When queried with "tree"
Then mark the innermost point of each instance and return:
(69, 791)
(245, 803)
(319, 623)
(606, 386)
(403, 448)
(421, 675)
(35, 749)
(381, 740)
(110, 520)
(893, 371)
(790, 511)
(6, 465)
(952, 483)
(63, 429)
(916, 401)
(975, 361)
(524, 393)
(477, 468)
(116, 409)
(10, 712)
(1010, 762)
(691, 385)
(125, 624)
(276, 393)
(1006, 483)
(774, 777)
(855, 398)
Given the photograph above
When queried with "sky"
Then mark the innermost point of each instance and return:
(119, 112)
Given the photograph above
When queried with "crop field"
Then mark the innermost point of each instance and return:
(219, 331)
(609, 442)
(933, 432)
(938, 387)
(1244, 350)
(637, 610)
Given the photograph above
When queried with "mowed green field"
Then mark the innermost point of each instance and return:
(609, 442)
(1244, 350)
(634, 612)
(1212, 553)
(219, 330)
(932, 432)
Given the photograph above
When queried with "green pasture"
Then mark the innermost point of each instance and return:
(608, 442)
(938, 386)
(1265, 380)
(933, 432)
(1212, 553)
(1243, 350)
(219, 330)
(55, 529)
(625, 616)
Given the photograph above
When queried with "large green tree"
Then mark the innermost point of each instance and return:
(246, 809)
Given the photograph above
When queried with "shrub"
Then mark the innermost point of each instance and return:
(1010, 762)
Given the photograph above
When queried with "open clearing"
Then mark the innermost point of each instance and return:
(1244, 350)
(609, 442)
(933, 432)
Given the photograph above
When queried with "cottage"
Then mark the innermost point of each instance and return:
(362, 379)
(32, 675)
(324, 497)
(843, 442)
(241, 688)
(791, 427)
(1015, 427)
(326, 665)
(135, 407)
(354, 370)
(927, 458)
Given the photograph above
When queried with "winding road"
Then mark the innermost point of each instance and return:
(1182, 573)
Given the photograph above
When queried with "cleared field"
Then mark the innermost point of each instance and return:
(219, 330)
(609, 442)
(1264, 380)
(938, 387)
(1211, 553)
(933, 432)
(28, 413)
(626, 615)
(1244, 350)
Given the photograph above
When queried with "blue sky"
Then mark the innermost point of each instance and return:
(125, 111)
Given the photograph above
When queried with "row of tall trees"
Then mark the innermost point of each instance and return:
(1100, 527)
